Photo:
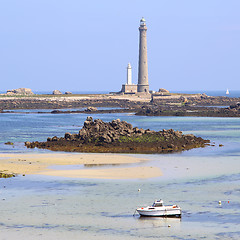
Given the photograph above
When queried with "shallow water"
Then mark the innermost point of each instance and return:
(40, 207)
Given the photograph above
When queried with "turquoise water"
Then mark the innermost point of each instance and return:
(37, 207)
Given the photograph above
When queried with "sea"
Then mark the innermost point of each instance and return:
(43, 207)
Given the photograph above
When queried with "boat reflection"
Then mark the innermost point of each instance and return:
(160, 221)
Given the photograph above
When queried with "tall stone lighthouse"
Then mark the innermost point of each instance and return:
(143, 85)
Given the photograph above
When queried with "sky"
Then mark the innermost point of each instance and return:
(76, 45)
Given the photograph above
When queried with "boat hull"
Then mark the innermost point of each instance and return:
(159, 212)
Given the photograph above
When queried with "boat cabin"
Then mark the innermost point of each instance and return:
(158, 203)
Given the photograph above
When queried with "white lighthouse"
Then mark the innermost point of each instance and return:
(129, 74)
(129, 87)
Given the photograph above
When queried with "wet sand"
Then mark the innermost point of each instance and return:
(40, 163)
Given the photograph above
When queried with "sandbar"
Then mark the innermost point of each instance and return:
(42, 163)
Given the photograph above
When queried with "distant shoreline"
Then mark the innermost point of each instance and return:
(158, 104)
(221, 93)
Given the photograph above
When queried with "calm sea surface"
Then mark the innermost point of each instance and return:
(39, 207)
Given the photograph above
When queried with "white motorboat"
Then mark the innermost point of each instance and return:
(227, 92)
(159, 210)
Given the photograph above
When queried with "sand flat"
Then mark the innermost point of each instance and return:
(108, 173)
(39, 163)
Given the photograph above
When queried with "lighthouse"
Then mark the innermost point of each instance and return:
(143, 85)
(129, 74)
(142, 88)
(129, 87)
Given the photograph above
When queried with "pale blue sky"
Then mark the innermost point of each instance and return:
(75, 45)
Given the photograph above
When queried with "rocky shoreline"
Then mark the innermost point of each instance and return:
(7, 175)
(193, 111)
(174, 105)
(120, 137)
(61, 103)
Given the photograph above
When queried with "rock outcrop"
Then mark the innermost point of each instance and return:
(7, 175)
(91, 109)
(20, 91)
(119, 136)
(162, 90)
(234, 107)
(186, 110)
(56, 92)
(65, 102)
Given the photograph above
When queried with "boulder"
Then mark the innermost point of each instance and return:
(91, 109)
(162, 90)
(235, 106)
(67, 93)
(204, 96)
(56, 92)
(178, 134)
(141, 131)
(55, 139)
(105, 138)
(68, 135)
(55, 111)
(28, 144)
(89, 118)
(20, 91)
(189, 136)
(183, 99)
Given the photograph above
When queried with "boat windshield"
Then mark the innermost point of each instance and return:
(158, 204)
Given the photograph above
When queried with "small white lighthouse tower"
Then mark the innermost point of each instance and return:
(129, 87)
(129, 74)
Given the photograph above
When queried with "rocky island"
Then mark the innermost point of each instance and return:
(193, 111)
(120, 137)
